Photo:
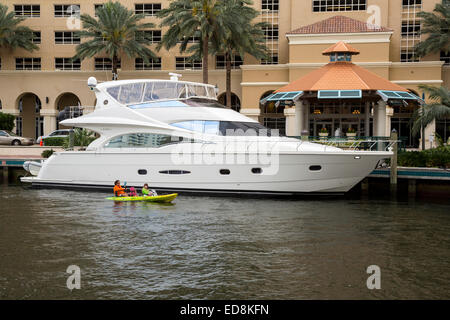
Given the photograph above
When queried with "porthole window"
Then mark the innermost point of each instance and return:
(142, 172)
(224, 171)
(315, 168)
(256, 170)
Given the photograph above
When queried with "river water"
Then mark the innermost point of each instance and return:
(221, 248)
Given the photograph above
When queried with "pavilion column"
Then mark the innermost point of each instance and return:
(367, 119)
(252, 113)
(49, 120)
(291, 122)
(306, 110)
(300, 116)
(389, 114)
(381, 118)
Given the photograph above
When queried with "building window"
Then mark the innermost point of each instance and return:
(270, 5)
(406, 56)
(105, 64)
(19, 126)
(97, 6)
(185, 63)
(273, 59)
(236, 62)
(66, 10)
(445, 57)
(192, 39)
(443, 129)
(271, 33)
(28, 63)
(36, 37)
(339, 5)
(154, 36)
(411, 29)
(407, 3)
(148, 9)
(67, 64)
(27, 10)
(153, 64)
(67, 37)
(411, 26)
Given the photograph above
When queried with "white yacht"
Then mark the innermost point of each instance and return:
(175, 136)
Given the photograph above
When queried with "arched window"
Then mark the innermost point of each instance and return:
(272, 114)
(235, 101)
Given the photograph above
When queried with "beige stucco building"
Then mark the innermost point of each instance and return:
(35, 86)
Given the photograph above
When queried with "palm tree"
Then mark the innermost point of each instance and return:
(242, 36)
(187, 18)
(116, 31)
(11, 34)
(436, 25)
(439, 108)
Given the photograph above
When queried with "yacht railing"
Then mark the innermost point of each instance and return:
(350, 145)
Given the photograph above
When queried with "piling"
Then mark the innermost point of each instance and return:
(5, 175)
(393, 172)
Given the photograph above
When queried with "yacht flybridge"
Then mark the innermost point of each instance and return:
(175, 136)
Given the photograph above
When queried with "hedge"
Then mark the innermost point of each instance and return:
(437, 157)
(54, 141)
(7, 121)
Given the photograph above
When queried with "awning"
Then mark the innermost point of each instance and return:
(398, 95)
(283, 96)
(339, 94)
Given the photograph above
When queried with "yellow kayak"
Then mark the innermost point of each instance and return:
(163, 198)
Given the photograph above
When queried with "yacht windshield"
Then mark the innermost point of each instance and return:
(141, 92)
(224, 128)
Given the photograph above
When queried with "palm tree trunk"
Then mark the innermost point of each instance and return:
(114, 67)
(228, 79)
(205, 59)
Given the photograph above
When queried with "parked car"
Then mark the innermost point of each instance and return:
(9, 138)
(62, 133)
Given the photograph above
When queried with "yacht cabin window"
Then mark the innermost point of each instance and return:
(225, 128)
(144, 140)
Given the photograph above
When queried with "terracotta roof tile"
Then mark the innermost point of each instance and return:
(339, 24)
(341, 76)
(341, 46)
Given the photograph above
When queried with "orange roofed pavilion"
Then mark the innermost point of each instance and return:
(339, 95)
(341, 74)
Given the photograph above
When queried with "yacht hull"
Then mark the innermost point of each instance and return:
(293, 173)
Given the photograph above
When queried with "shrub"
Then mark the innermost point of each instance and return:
(7, 121)
(54, 141)
(47, 153)
(438, 157)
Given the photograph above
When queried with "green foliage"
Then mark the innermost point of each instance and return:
(54, 141)
(187, 18)
(115, 31)
(11, 34)
(439, 108)
(6, 121)
(437, 157)
(47, 153)
(436, 28)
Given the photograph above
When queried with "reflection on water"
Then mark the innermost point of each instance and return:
(220, 248)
